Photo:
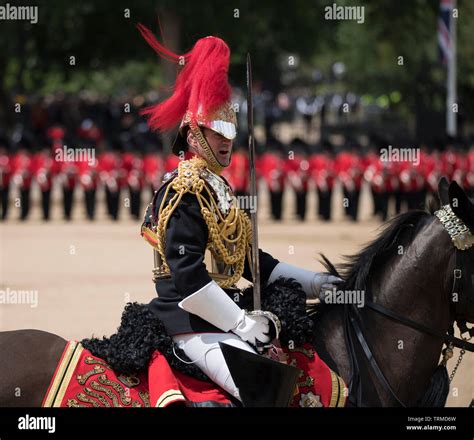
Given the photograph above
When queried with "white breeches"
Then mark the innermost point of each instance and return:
(204, 351)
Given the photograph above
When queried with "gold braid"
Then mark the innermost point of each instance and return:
(220, 227)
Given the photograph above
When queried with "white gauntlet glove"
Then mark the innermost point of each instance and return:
(253, 329)
(314, 284)
(213, 305)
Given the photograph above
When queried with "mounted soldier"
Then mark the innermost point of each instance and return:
(202, 240)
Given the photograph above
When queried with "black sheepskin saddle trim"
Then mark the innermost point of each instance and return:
(141, 333)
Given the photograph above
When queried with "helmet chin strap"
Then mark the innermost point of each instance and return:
(211, 159)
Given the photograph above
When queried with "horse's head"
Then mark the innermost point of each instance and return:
(407, 274)
(457, 217)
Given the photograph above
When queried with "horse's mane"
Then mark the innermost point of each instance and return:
(399, 231)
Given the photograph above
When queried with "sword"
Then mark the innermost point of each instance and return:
(236, 359)
(257, 301)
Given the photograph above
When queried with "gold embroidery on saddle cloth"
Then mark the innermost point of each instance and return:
(108, 392)
(145, 396)
(117, 387)
(95, 393)
(83, 398)
(98, 396)
(73, 403)
(89, 360)
(230, 229)
(82, 378)
(130, 381)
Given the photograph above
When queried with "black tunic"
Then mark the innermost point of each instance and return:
(185, 245)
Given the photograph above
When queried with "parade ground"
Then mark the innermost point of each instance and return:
(81, 274)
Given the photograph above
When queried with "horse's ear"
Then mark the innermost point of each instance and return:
(443, 194)
(461, 204)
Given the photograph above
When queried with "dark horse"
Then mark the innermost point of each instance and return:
(408, 270)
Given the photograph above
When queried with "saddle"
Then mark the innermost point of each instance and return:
(84, 380)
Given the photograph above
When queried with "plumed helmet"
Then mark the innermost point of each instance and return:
(201, 94)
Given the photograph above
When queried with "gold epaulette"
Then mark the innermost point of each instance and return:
(189, 178)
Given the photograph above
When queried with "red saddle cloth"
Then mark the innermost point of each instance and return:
(84, 380)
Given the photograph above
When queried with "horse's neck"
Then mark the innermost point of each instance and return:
(414, 286)
(330, 342)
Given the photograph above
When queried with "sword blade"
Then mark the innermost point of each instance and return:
(257, 305)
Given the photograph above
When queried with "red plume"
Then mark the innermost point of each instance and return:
(201, 84)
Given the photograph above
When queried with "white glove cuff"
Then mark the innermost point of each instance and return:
(311, 282)
(212, 304)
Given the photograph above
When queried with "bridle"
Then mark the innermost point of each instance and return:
(463, 280)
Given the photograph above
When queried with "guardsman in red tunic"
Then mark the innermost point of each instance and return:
(88, 171)
(22, 168)
(238, 172)
(371, 164)
(412, 182)
(323, 175)
(153, 169)
(460, 167)
(111, 176)
(67, 176)
(404, 180)
(376, 176)
(44, 170)
(237, 175)
(5, 177)
(433, 172)
(383, 179)
(64, 168)
(453, 162)
(272, 167)
(298, 173)
(132, 163)
(350, 170)
(449, 159)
